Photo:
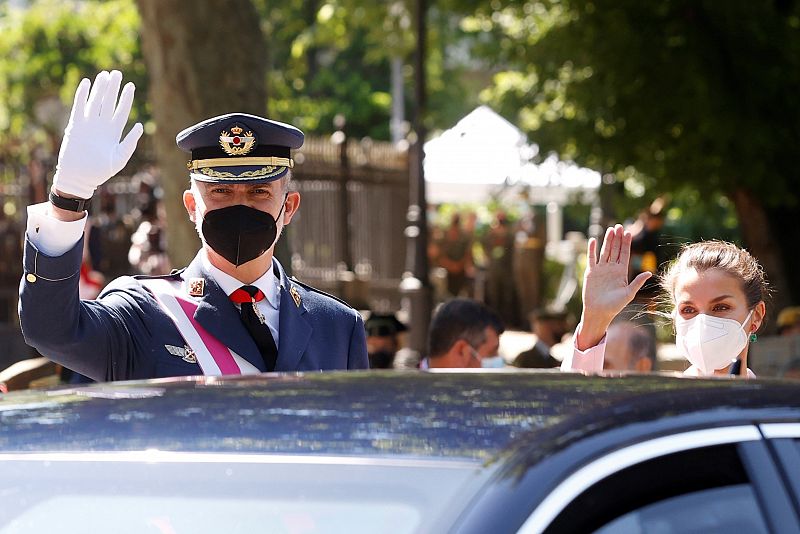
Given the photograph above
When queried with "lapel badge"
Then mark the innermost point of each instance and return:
(295, 296)
(185, 353)
(189, 356)
(197, 287)
(237, 142)
(175, 351)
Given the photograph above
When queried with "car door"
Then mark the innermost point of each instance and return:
(711, 480)
(784, 442)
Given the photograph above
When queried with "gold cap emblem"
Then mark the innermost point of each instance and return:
(237, 142)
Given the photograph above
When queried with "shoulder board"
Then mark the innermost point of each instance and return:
(175, 274)
(315, 290)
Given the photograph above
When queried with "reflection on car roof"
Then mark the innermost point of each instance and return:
(442, 416)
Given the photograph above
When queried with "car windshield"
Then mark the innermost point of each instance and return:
(229, 493)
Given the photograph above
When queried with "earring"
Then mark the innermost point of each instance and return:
(753, 337)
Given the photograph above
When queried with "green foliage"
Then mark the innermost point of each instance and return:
(330, 58)
(324, 62)
(699, 94)
(45, 49)
(690, 214)
(326, 58)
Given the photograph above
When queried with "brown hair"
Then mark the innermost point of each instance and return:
(724, 256)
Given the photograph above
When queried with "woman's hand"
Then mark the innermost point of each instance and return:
(606, 290)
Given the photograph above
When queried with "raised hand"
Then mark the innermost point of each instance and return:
(606, 290)
(91, 151)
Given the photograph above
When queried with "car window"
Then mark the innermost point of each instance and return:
(725, 509)
(211, 495)
(668, 494)
(166, 514)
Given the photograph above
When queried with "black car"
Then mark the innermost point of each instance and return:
(397, 452)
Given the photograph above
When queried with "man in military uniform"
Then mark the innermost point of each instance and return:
(232, 310)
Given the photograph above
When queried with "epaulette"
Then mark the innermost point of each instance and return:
(315, 290)
(174, 274)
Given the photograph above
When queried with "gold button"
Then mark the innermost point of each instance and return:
(31, 278)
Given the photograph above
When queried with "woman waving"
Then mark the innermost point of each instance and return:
(716, 291)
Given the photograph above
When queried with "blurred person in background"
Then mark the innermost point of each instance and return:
(148, 250)
(464, 334)
(645, 236)
(10, 248)
(630, 347)
(789, 321)
(383, 339)
(498, 248)
(454, 254)
(549, 327)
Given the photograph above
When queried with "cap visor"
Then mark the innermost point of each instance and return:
(248, 175)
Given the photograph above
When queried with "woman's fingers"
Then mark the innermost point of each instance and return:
(637, 284)
(617, 244)
(591, 253)
(625, 252)
(608, 240)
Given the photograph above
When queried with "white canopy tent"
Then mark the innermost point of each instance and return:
(485, 155)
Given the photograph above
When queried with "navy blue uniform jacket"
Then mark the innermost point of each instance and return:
(124, 334)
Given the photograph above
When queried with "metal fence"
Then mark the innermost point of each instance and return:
(335, 236)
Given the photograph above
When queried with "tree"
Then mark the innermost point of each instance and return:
(204, 58)
(334, 57)
(689, 94)
(45, 49)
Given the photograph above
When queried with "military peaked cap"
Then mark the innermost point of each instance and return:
(239, 148)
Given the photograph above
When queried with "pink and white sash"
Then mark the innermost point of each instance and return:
(213, 356)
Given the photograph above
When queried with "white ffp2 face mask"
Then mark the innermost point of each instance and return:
(710, 343)
(493, 362)
(489, 362)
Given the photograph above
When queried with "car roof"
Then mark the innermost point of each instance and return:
(472, 416)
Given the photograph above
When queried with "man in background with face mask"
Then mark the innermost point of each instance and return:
(233, 310)
(464, 333)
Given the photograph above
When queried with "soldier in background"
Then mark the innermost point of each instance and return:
(454, 254)
(549, 328)
(383, 339)
(498, 247)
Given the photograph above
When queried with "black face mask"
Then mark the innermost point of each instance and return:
(240, 233)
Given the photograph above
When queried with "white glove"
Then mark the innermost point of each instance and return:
(91, 151)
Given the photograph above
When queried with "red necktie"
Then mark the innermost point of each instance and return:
(255, 323)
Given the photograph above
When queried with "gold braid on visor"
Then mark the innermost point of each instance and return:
(239, 162)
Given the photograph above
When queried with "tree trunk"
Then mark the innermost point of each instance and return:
(204, 58)
(762, 240)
